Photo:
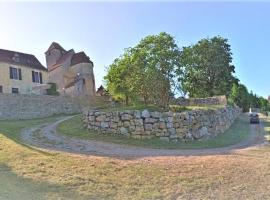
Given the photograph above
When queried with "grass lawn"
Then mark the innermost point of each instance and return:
(175, 108)
(239, 130)
(26, 173)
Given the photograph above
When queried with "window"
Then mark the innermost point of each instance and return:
(37, 77)
(15, 90)
(15, 73)
(1, 89)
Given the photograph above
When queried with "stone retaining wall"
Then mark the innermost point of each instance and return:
(18, 106)
(167, 126)
(216, 100)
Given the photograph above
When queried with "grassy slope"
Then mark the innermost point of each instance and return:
(238, 131)
(29, 174)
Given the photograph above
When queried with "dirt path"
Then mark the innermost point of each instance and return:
(45, 136)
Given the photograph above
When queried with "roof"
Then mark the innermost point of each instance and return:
(24, 59)
(55, 45)
(62, 59)
(100, 88)
(80, 57)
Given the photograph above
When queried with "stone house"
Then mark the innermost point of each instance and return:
(72, 72)
(102, 92)
(21, 73)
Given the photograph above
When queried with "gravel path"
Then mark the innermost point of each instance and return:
(45, 136)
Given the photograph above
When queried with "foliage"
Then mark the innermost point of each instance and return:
(208, 68)
(118, 78)
(52, 90)
(240, 96)
(146, 71)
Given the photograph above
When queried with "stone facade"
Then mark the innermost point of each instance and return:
(216, 100)
(14, 107)
(72, 72)
(168, 126)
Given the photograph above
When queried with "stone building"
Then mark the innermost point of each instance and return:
(72, 72)
(21, 73)
(102, 92)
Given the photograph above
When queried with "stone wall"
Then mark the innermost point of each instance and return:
(217, 100)
(167, 126)
(18, 106)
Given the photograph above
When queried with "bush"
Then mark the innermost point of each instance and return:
(53, 90)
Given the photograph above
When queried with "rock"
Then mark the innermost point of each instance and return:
(145, 114)
(138, 122)
(162, 125)
(169, 125)
(126, 124)
(150, 120)
(148, 127)
(104, 125)
(113, 125)
(200, 133)
(137, 114)
(155, 126)
(101, 118)
(123, 131)
(139, 129)
(126, 117)
(132, 128)
(91, 118)
(116, 119)
(176, 125)
(170, 119)
(172, 131)
(155, 115)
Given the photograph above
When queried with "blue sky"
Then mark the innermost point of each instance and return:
(103, 30)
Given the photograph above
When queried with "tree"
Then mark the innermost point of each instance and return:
(240, 96)
(207, 68)
(146, 70)
(118, 77)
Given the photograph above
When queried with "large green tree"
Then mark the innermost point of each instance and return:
(148, 70)
(208, 68)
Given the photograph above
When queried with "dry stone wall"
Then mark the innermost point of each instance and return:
(217, 100)
(18, 106)
(167, 126)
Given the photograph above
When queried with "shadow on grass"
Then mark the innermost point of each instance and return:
(14, 187)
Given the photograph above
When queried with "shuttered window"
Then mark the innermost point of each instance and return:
(37, 77)
(15, 73)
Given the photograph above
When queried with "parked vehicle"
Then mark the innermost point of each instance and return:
(254, 118)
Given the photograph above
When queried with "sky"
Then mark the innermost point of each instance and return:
(104, 29)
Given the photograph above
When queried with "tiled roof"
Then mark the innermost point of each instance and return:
(55, 45)
(24, 59)
(80, 57)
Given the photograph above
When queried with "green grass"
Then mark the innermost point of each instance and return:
(239, 130)
(151, 107)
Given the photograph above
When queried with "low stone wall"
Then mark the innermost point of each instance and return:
(167, 126)
(217, 100)
(18, 106)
